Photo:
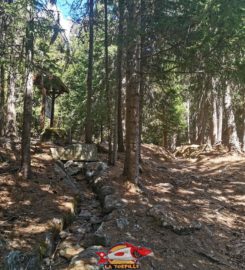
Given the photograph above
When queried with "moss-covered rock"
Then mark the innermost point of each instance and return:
(55, 135)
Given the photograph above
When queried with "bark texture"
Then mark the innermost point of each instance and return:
(26, 133)
(231, 124)
(11, 110)
(88, 124)
(131, 164)
(27, 112)
(2, 99)
(121, 7)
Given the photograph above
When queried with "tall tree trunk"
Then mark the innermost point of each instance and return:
(202, 118)
(142, 69)
(3, 30)
(52, 108)
(214, 135)
(27, 113)
(111, 160)
(231, 124)
(43, 106)
(220, 117)
(26, 133)
(2, 98)
(11, 110)
(121, 6)
(131, 164)
(243, 135)
(188, 120)
(88, 124)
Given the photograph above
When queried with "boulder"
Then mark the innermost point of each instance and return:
(62, 173)
(70, 251)
(176, 222)
(112, 202)
(17, 260)
(86, 260)
(93, 169)
(74, 168)
(100, 237)
(78, 152)
(122, 222)
(55, 135)
(104, 191)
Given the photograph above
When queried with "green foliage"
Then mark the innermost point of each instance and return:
(164, 113)
(186, 41)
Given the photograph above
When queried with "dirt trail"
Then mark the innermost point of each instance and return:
(190, 212)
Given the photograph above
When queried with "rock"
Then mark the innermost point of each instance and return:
(85, 214)
(3, 243)
(68, 164)
(95, 220)
(97, 183)
(70, 241)
(63, 234)
(49, 243)
(17, 260)
(175, 222)
(82, 152)
(93, 169)
(57, 224)
(74, 168)
(104, 191)
(86, 260)
(95, 204)
(70, 252)
(100, 237)
(112, 202)
(68, 180)
(122, 223)
(55, 135)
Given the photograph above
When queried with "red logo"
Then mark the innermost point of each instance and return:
(123, 256)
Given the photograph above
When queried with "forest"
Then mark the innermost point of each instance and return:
(122, 121)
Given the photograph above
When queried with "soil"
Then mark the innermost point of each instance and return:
(208, 190)
(28, 209)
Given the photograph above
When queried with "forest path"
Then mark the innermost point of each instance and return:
(209, 190)
(199, 205)
(190, 212)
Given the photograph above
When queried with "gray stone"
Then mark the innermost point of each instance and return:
(17, 260)
(70, 251)
(95, 220)
(68, 180)
(100, 237)
(64, 234)
(49, 242)
(74, 170)
(104, 191)
(169, 220)
(3, 243)
(122, 223)
(86, 260)
(93, 169)
(112, 202)
(95, 204)
(68, 164)
(83, 152)
(85, 214)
